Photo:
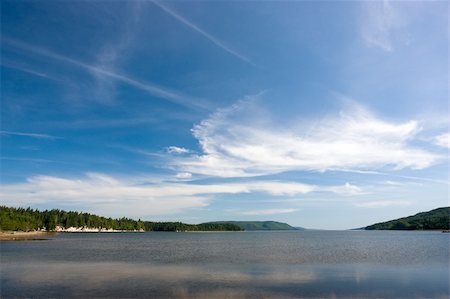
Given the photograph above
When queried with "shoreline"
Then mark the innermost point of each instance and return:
(36, 235)
(19, 235)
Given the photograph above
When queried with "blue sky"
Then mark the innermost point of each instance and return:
(320, 114)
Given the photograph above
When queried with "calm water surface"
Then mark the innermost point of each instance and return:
(320, 264)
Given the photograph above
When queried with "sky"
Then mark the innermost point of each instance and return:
(321, 114)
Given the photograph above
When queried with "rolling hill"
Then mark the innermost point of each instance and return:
(260, 225)
(434, 219)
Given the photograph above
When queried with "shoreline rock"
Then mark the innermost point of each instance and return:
(85, 229)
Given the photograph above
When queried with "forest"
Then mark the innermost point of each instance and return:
(27, 219)
(434, 219)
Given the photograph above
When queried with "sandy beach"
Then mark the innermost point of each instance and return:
(13, 235)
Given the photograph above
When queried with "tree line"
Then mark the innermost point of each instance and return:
(27, 219)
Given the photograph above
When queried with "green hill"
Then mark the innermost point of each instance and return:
(434, 219)
(259, 225)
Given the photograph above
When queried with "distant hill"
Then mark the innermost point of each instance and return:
(259, 225)
(434, 219)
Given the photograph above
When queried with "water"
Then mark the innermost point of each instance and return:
(321, 264)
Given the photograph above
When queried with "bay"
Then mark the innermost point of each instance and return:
(273, 264)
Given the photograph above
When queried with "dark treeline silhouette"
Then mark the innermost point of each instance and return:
(179, 226)
(21, 219)
(259, 225)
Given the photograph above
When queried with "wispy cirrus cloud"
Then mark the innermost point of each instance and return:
(28, 70)
(153, 89)
(234, 144)
(27, 134)
(113, 52)
(268, 212)
(393, 175)
(201, 31)
(380, 23)
(138, 197)
(442, 140)
(33, 160)
(102, 123)
(382, 203)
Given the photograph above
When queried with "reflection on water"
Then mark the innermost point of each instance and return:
(137, 280)
(229, 265)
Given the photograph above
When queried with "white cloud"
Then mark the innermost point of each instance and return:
(135, 197)
(268, 212)
(177, 150)
(184, 175)
(382, 203)
(103, 194)
(442, 140)
(235, 143)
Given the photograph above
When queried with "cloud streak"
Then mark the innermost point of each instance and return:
(150, 88)
(184, 175)
(33, 160)
(28, 70)
(235, 144)
(112, 52)
(177, 150)
(32, 135)
(201, 31)
(137, 197)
